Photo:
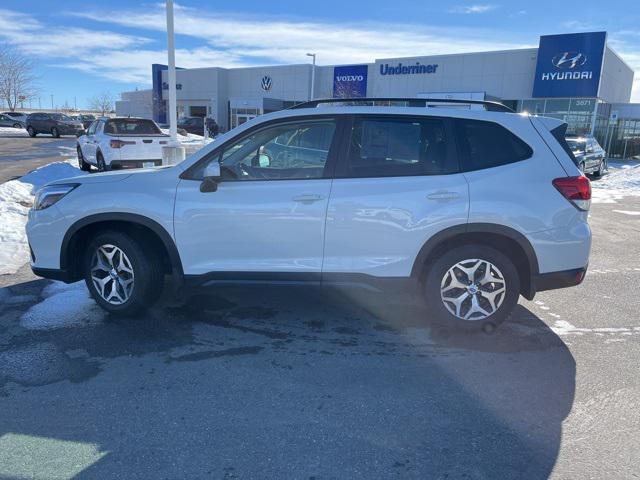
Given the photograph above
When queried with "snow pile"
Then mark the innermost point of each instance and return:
(63, 306)
(16, 198)
(12, 132)
(622, 180)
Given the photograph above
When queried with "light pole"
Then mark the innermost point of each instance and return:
(52, 102)
(174, 152)
(313, 75)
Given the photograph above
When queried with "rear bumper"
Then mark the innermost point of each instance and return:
(562, 279)
(123, 164)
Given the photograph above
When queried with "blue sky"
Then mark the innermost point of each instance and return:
(85, 47)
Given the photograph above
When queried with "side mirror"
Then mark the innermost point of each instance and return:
(264, 160)
(211, 177)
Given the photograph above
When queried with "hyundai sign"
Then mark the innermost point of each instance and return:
(569, 65)
(350, 81)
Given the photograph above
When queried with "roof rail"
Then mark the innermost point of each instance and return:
(411, 102)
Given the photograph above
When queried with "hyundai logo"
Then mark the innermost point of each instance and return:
(266, 83)
(569, 60)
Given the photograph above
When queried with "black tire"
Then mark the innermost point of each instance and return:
(602, 168)
(17, 125)
(148, 275)
(102, 167)
(436, 273)
(55, 132)
(32, 133)
(84, 166)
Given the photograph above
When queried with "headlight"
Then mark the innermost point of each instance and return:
(49, 195)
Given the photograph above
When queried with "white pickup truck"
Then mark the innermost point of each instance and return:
(121, 142)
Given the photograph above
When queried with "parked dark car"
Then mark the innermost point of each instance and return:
(55, 124)
(193, 125)
(590, 156)
(86, 120)
(7, 121)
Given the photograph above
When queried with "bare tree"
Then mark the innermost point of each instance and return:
(102, 102)
(17, 77)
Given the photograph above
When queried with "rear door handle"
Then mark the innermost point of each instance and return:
(308, 198)
(443, 195)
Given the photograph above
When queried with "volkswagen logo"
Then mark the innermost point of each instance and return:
(266, 83)
(569, 60)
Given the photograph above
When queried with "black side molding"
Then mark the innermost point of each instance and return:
(52, 274)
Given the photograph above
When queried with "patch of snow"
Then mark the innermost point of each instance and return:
(622, 180)
(627, 212)
(64, 306)
(16, 198)
(12, 132)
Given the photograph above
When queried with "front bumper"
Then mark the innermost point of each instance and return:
(562, 279)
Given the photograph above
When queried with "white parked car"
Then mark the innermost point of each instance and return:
(121, 142)
(469, 208)
(18, 116)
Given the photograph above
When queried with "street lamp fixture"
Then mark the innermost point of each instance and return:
(313, 75)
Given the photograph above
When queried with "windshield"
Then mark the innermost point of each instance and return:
(576, 145)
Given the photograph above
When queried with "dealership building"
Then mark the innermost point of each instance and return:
(576, 77)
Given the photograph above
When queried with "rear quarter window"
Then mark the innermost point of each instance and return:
(483, 144)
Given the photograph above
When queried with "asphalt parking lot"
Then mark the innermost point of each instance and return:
(20, 154)
(281, 383)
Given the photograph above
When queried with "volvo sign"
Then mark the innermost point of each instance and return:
(569, 65)
(350, 81)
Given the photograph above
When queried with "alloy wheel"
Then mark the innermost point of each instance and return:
(112, 274)
(473, 289)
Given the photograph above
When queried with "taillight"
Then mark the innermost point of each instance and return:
(575, 189)
(119, 143)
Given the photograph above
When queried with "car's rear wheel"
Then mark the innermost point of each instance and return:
(102, 166)
(122, 278)
(84, 166)
(602, 168)
(32, 133)
(55, 132)
(472, 286)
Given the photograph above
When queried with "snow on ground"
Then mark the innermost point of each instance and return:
(16, 198)
(12, 132)
(622, 180)
(63, 306)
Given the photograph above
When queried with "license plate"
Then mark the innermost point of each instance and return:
(148, 164)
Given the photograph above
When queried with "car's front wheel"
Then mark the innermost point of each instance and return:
(472, 286)
(121, 277)
(55, 132)
(32, 133)
(17, 125)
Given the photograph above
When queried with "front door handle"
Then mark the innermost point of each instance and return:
(308, 198)
(443, 195)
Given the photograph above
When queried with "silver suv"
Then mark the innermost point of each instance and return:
(468, 208)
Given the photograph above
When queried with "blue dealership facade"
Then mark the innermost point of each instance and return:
(577, 77)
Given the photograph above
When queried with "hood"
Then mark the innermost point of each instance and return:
(113, 176)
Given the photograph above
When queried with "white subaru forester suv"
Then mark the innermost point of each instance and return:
(469, 208)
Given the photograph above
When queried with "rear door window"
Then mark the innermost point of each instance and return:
(394, 147)
(485, 144)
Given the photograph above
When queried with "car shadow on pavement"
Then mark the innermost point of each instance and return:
(280, 383)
